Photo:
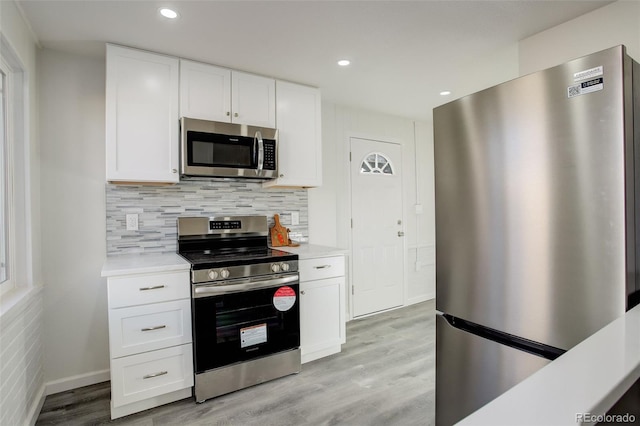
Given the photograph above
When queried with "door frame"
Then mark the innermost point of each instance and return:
(349, 286)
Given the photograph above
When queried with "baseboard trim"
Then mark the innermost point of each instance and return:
(36, 407)
(75, 382)
(420, 299)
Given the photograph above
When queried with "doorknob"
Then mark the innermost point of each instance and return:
(400, 234)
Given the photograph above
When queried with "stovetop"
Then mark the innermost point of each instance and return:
(215, 258)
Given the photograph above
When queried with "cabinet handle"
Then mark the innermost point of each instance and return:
(301, 291)
(282, 175)
(157, 327)
(155, 287)
(235, 114)
(228, 113)
(150, 376)
(174, 170)
(322, 266)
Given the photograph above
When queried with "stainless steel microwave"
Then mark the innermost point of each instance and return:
(216, 149)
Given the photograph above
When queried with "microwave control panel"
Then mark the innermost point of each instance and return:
(269, 155)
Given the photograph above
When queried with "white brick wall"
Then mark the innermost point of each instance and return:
(21, 375)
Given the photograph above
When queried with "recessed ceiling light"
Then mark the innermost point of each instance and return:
(344, 62)
(168, 13)
(445, 93)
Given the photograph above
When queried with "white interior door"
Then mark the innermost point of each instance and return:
(376, 211)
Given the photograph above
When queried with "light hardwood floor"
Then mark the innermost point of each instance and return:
(385, 375)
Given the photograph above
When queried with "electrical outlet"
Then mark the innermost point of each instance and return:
(132, 222)
(295, 218)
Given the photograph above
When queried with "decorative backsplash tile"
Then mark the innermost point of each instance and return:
(158, 208)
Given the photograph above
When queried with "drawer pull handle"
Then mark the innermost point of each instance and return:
(322, 266)
(155, 287)
(157, 327)
(151, 376)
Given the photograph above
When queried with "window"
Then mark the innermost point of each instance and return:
(4, 193)
(376, 163)
(14, 189)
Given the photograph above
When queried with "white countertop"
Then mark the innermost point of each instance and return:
(590, 378)
(143, 263)
(312, 251)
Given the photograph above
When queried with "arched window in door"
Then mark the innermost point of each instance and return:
(376, 163)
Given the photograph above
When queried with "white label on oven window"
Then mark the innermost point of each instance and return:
(284, 298)
(253, 335)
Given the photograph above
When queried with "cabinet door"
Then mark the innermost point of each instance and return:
(141, 116)
(253, 100)
(299, 136)
(321, 317)
(205, 91)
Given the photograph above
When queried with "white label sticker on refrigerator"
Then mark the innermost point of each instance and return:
(284, 298)
(585, 87)
(586, 74)
(253, 335)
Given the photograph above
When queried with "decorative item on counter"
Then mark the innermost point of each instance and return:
(280, 234)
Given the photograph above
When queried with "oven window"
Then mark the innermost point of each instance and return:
(238, 327)
(220, 151)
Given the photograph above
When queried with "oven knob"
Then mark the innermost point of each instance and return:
(284, 266)
(275, 267)
(224, 273)
(213, 274)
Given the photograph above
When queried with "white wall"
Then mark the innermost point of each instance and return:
(21, 354)
(617, 23)
(72, 110)
(329, 206)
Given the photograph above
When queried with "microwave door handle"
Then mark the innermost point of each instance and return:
(258, 137)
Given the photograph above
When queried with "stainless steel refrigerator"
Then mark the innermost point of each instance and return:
(537, 223)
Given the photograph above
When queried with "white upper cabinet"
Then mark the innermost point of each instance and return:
(253, 99)
(213, 93)
(142, 128)
(299, 136)
(205, 91)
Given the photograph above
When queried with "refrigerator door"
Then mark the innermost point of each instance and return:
(471, 371)
(534, 222)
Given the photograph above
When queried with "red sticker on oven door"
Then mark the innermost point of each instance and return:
(284, 298)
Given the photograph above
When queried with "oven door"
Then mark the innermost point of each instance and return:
(245, 319)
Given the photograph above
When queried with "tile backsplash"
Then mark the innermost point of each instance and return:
(158, 208)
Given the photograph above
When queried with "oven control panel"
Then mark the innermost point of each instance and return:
(242, 271)
(281, 266)
(225, 224)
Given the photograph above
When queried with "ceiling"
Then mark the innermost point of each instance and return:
(402, 52)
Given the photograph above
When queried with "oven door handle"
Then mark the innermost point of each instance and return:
(258, 137)
(245, 285)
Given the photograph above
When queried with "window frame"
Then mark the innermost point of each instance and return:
(20, 249)
(377, 171)
(7, 216)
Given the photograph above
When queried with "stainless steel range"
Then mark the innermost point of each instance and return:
(245, 303)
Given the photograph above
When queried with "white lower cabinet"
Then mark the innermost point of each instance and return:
(322, 307)
(149, 374)
(150, 340)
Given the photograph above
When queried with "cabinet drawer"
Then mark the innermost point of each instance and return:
(148, 288)
(139, 377)
(149, 327)
(320, 268)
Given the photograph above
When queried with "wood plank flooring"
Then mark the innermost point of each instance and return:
(385, 375)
